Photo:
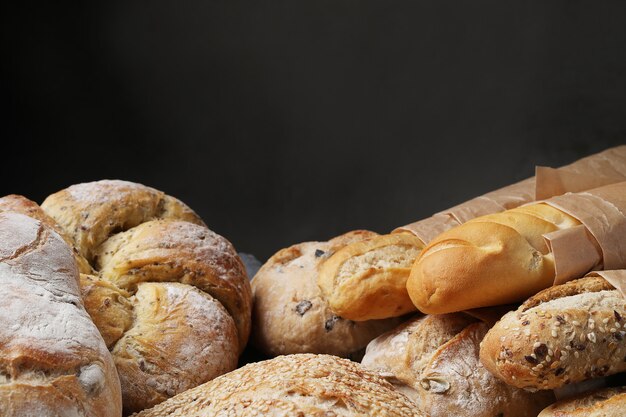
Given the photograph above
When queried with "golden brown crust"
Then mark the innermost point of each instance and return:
(577, 286)
(137, 237)
(290, 313)
(53, 360)
(366, 280)
(436, 359)
(491, 260)
(293, 385)
(575, 333)
(608, 402)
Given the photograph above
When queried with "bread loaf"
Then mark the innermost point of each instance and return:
(608, 402)
(53, 361)
(162, 288)
(291, 386)
(566, 333)
(377, 269)
(495, 259)
(434, 360)
(292, 316)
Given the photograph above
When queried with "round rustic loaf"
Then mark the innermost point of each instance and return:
(291, 386)
(290, 313)
(53, 361)
(170, 297)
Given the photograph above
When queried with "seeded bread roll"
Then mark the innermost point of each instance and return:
(495, 259)
(291, 386)
(608, 402)
(162, 287)
(363, 281)
(566, 333)
(434, 361)
(53, 361)
(290, 313)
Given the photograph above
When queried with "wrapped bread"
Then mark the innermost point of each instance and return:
(291, 316)
(376, 269)
(607, 402)
(162, 288)
(53, 361)
(290, 386)
(434, 361)
(507, 257)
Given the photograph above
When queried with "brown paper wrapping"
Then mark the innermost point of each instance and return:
(606, 167)
(616, 278)
(602, 212)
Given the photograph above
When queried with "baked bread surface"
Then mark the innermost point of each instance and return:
(290, 313)
(53, 361)
(567, 333)
(608, 402)
(290, 386)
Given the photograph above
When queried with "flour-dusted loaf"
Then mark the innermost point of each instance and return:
(291, 386)
(290, 313)
(496, 259)
(53, 361)
(170, 297)
(566, 333)
(434, 360)
(607, 402)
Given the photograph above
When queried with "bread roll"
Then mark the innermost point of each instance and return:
(290, 313)
(608, 402)
(495, 259)
(364, 280)
(434, 361)
(361, 272)
(566, 333)
(293, 385)
(53, 361)
(162, 288)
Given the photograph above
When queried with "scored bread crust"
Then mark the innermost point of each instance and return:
(53, 360)
(156, 270)
(366, 280)
(564, 334)
(434, 359)
(290, 313)
(607, 402)
(291, 386)
(496, 259)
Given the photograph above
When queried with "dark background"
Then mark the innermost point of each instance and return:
(286, 121)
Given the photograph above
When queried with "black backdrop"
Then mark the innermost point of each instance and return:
(284, 121)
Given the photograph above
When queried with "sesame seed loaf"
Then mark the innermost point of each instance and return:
(291, 386)
(608, 402)
(566, 333)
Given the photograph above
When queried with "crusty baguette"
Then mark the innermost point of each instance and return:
(53, 361)
(364, 280)
(290, 314)
(378, 267)
(291, 386)
(566, 333)
(607, 402)
(495, 259)
(434, 360)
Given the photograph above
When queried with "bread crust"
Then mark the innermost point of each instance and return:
(435, 358)
(564, 334)
(293, 385)
(607, 402)
(491, 260)
(366, 280)
(290, 313)
(53, 360)
(140, 241)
